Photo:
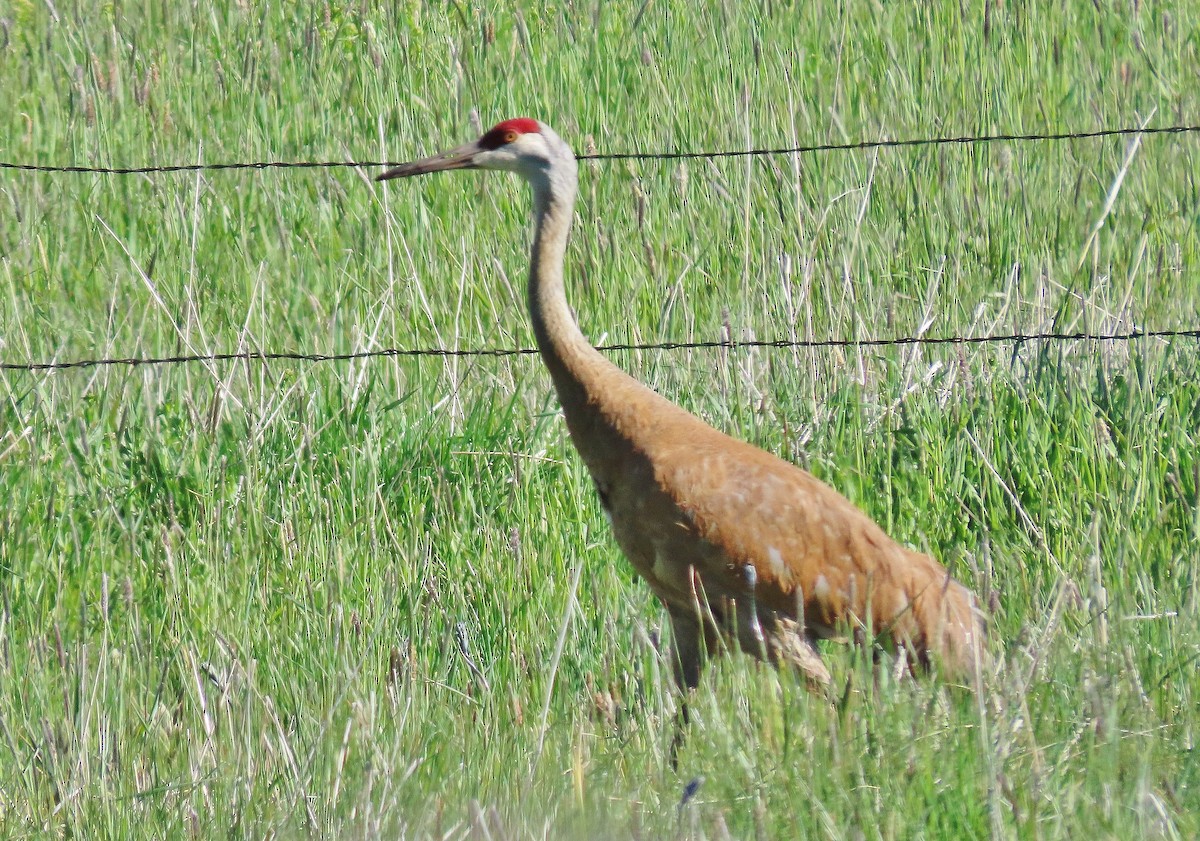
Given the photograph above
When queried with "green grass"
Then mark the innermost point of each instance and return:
(273, 600)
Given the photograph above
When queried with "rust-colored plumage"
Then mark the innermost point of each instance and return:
(733, 540)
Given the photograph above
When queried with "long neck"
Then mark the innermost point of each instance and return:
(568, 355)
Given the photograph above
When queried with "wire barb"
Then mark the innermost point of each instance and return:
(1016, 339)
(963, 140)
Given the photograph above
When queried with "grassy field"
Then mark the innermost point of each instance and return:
(379, 599)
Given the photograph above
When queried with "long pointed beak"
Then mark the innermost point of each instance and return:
(461, 158)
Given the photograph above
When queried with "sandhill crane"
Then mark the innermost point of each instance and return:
(734, 541)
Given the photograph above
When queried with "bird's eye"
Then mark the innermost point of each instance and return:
(510, 136)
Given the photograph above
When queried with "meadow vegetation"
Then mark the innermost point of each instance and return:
(379, 598)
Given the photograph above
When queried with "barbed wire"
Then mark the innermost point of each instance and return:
(963, 140)
(265, 356)
(272, 356)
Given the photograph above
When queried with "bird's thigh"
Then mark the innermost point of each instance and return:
(691, 645)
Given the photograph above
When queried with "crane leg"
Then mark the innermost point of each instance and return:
(692, 644)
(687, 651)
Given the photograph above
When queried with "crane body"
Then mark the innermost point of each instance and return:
(734, 541)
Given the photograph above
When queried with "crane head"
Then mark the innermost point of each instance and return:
(521, 145)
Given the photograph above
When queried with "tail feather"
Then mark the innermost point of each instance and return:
(951, 626)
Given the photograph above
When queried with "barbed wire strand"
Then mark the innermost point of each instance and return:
(647, 156)
(265, 356)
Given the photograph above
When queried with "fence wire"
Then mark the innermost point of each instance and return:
(964, 140)
(266, 356)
